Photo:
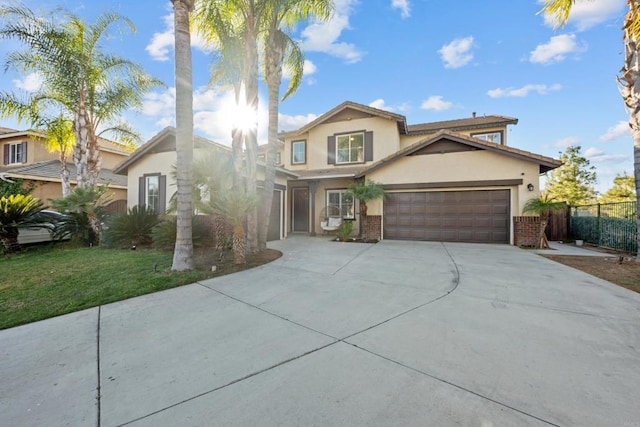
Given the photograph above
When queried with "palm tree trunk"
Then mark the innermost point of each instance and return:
(251, 136)
(273, 77)
(183, 251)
(93, 159)
(239, 248)
(80, 153)
(220, 232)
(363, 217)
(630, 91)
(64, 177)
(10, 240)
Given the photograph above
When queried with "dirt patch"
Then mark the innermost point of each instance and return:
(205, 258)
(625, 274)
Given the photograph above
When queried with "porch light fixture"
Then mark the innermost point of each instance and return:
(530, 187)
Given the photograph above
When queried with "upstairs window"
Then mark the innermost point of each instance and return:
(263, 157)
(298, 152)
(495, 137)
(350, 148)
(15, 153)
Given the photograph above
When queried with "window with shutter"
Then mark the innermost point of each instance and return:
(15, 153)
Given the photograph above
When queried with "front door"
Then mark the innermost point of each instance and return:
(300, 213)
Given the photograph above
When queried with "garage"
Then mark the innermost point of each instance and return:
(478, 216)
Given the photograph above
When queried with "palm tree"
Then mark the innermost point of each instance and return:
(60, 139)
(279, 50)
(234, 206)
(78, 78)
(16, 210)
(84, 210)
(365, 191)
(543, 206)
(183, 252)
(629, 78)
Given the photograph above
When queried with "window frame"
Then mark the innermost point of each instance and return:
(480, 135)
(295, 143)
(349, 136)
(344, 213)
(16, 153)
(147, 193)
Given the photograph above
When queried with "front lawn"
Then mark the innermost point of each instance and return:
(49, 281)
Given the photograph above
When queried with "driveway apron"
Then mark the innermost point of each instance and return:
(394, 333)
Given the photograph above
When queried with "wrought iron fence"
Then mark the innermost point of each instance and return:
(610, 225)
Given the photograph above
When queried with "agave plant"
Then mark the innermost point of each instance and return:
(16, 210)
(132, 228)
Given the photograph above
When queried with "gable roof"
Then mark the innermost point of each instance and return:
(50, 171)
(546, 163)
(346, 106)
(105, 144)
(470, 123)
(163, 141)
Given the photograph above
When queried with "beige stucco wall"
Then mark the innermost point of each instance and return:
(150, 164)
(385, 141)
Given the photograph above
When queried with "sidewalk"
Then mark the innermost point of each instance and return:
(559, 248)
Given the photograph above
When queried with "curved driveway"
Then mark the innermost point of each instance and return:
(397, 333)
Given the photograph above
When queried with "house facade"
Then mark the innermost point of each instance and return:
(25, 156)
(454, 180)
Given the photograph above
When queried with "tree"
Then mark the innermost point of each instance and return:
(543, 206)
(60, 139)
(365, 191)
(623, 190)
(84, 210)
(573, 181)
(79, 80)
(279, 50)
(629, 77)
(183, 252)
(16, 210)
(234, 206)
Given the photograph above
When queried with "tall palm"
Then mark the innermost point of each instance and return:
(629, 78)
(280, 50)
(78, 78)
(183, 252)
(234, 206)
(60, 139)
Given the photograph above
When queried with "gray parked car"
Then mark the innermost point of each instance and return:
(44, 231)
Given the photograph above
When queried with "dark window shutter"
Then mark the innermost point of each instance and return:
(368, 146)
(24, 152)
(141, 190)
(162, 202)
(331, 150)
(6, 154)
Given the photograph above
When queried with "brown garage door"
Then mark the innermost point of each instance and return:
(448, 216)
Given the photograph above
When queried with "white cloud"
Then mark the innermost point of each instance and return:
(436, 103)
(403, 5)
(620, 130)
(457, 53)
(556, 49)
(380, 105)
(31, 83)
(567, 142)
(287, 122)
(586, 14)
(522, 91)
(323, 36)
(161, 43)
(597, 155)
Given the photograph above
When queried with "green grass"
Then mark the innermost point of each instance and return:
(49, 281)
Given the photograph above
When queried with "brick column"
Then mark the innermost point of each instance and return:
(525, 231)
(374, 227)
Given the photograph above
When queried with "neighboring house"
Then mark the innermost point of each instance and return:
(450, 181)
(151, 181)
(25, 156)
(454, 180)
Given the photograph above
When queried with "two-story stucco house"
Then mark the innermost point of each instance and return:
(455, 180)
(25, 156)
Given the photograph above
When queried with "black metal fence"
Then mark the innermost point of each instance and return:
(610, 225)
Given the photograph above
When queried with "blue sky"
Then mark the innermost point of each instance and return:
(429, 60)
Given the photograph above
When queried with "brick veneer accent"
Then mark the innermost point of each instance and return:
(525, 230)
(374, 227)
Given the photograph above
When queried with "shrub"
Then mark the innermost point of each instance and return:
(133, 227)
(164, 234)
(84, 215)
(344, 230)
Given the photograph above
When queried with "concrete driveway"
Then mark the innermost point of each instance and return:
(397, 333)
